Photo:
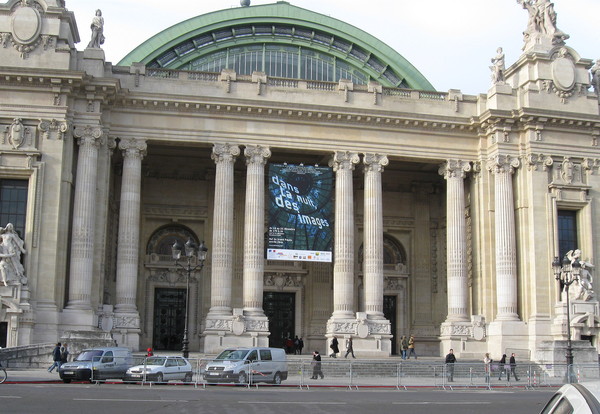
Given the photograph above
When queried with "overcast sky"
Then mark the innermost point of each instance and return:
(450, 42)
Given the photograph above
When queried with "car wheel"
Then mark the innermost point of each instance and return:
(242, 378)
(188, 377)
(159, 377)
(277, 378)
(66, 381)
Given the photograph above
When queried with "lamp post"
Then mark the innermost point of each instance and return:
(567, 273)
(191, 249)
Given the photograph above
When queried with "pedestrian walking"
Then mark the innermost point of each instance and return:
(300, 346)
(404, 346)
(411, 347)
(349, 349)
(513, 367)
(296, 345)
(335, 349)
(450, 360)
(504, 367)
(55, 358)
(487, 361)
(64, 354)
(316, 366)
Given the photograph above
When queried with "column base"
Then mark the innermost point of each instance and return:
(234, 331)
(371, 338)
(126, 329)
(505, 336)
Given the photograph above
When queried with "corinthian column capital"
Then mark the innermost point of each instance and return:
(502, 164)
(256, 154)
(133, 147)
(224, 153)
(344, 160)
(374, 162)
(454, 169)
(88, 135)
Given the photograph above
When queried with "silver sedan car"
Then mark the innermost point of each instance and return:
(582, 398)
(161, 369)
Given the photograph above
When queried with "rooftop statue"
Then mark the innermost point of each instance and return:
(498, 67)
(12, 246)
(596, 77)
(542, 21)
(97, 31)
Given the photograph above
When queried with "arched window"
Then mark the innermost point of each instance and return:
(162, 239)
(393, 252)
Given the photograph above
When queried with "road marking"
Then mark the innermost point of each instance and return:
(10, 396)
(442, 403)
(293, 402)
(124, 400)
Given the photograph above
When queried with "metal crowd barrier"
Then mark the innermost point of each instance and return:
(359, 373)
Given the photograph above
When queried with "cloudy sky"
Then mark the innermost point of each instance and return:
(450, 41)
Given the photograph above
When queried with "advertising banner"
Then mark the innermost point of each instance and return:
(300, 213)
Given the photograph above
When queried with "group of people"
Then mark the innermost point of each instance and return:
(504, 367)
(60, 355)
(294, 346)
(335, 348)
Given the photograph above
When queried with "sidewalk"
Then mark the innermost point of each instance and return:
(36, 375)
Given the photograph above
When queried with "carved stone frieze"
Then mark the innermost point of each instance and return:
(281, 280)
(219, 324)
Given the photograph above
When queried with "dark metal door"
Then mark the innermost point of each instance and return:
(389, 311)
(3, 334)
(280, 308)
(169, 316)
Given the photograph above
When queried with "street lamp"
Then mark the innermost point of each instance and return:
(191, 249)
(567, 273)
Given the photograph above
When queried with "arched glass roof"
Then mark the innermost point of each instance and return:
(281, 40)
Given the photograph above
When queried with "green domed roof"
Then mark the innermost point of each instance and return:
(282, 40)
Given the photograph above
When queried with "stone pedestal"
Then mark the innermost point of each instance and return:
(554, 352)
(503, 335)
(93, 62)
(371, 338)
(234, 331)
(500, 96)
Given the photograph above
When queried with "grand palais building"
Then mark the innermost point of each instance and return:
(338, 193)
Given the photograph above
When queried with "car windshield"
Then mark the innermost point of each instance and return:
(89, 355)
(233, 354)
(156, 361)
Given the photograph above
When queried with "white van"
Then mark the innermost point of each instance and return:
(241, 365)
(97, 364)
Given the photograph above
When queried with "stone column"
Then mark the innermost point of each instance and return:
(456, 245)
(343, 267)
(224, 156)
(128, 249)
(503, 167)
(254, 229)
(373, 235)
(84, 213)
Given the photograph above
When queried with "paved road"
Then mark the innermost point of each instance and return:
(60, 398)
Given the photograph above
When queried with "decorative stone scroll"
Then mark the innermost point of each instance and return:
(48, 126)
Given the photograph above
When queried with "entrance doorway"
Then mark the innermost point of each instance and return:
(3, 334)
(280, 308)
(389, 312)
(169, 319)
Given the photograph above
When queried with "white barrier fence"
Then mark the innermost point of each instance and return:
(354, 374)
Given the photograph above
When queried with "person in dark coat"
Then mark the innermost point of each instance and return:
(335, 349)
(450, 360)
(513, 367)
(316, 366)
(56, 357)
(64, 354)
(502, 368)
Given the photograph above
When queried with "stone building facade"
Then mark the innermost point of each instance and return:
(449, 208)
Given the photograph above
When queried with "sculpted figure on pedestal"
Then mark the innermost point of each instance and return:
(12, 246)
(582, 289)
(542, 20)
(596, 77)
(498, 68)
(97, 31)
